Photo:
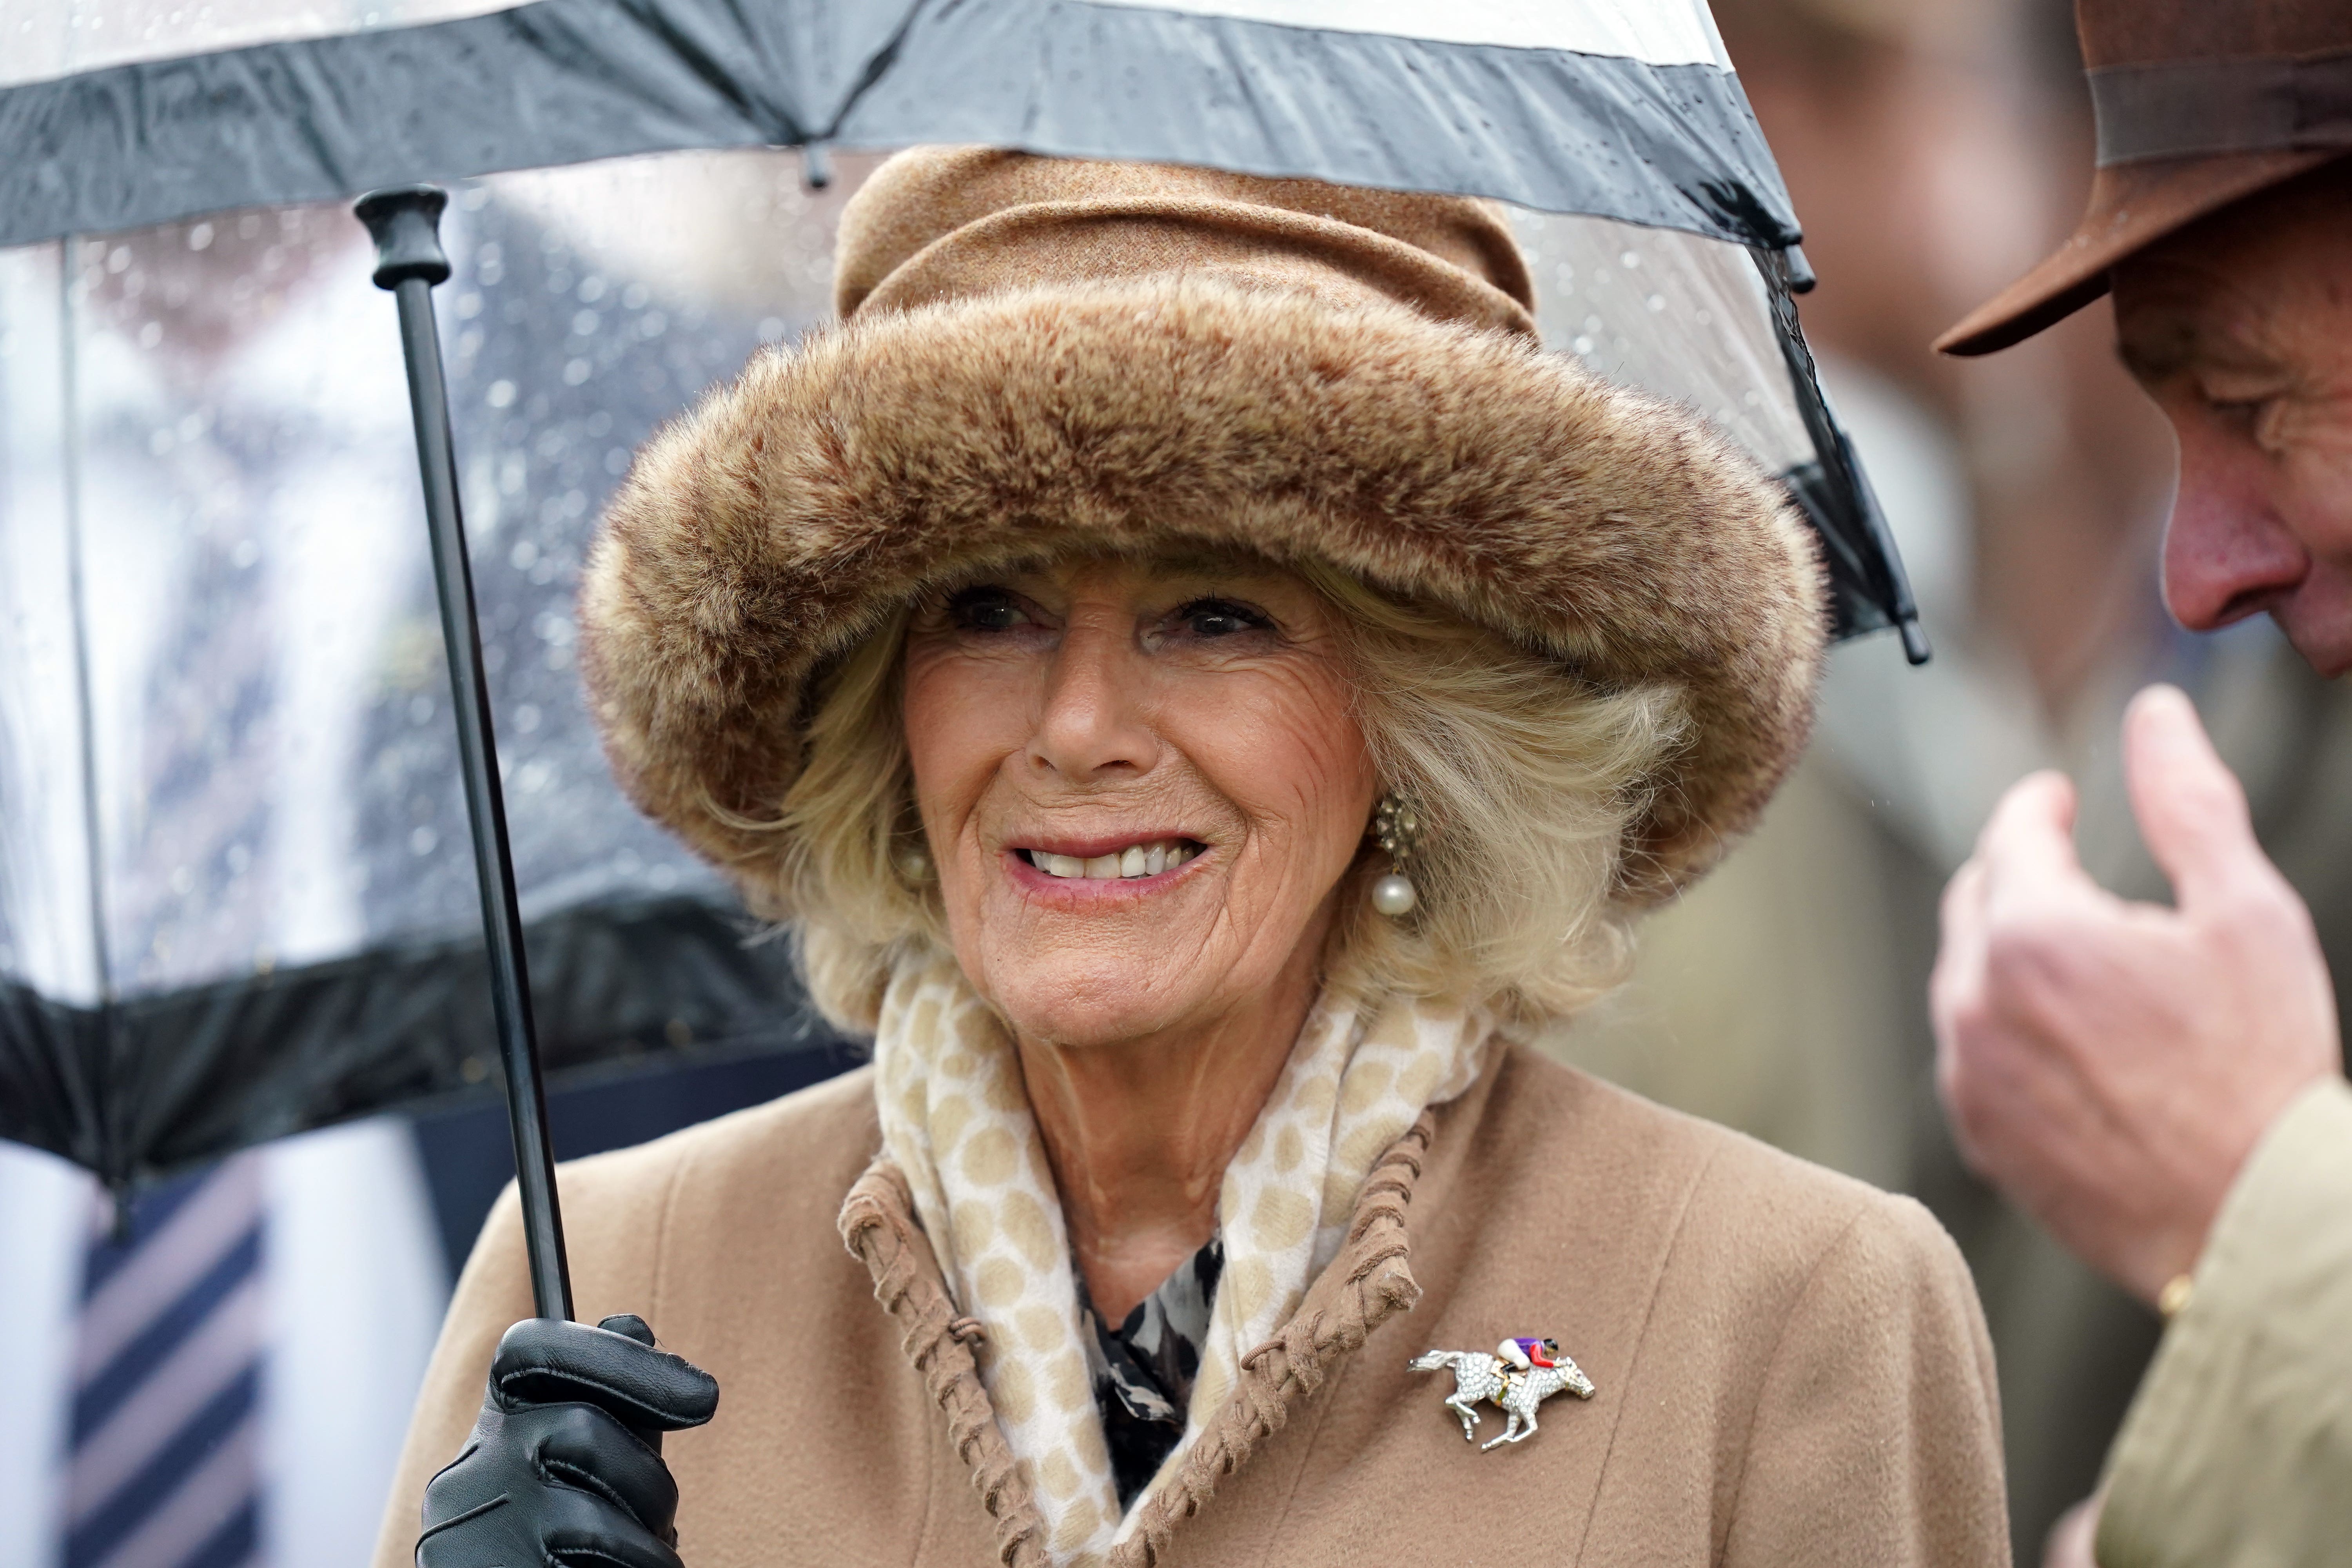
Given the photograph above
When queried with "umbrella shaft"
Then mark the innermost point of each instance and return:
(485, 803)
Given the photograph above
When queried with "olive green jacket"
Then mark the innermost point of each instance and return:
(2238, 1451)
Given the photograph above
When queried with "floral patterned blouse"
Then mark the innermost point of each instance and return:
(1143, 1369)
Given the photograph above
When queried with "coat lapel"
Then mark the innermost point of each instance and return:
(878, 1223)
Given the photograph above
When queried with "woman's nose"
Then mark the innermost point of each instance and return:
(2227, 552)
(1093, 722)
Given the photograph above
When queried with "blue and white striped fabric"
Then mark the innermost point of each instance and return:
(165, 1468)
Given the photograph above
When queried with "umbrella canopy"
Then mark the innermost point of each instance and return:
(1623, 108)
(235, 896)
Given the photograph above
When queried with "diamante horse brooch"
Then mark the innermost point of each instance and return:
(1519, 1375)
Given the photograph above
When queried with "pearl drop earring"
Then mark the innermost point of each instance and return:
(912, 861)
(1397, 827)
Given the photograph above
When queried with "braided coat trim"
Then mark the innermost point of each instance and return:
(877, 1226)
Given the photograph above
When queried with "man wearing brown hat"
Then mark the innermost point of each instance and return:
(2163, 1087)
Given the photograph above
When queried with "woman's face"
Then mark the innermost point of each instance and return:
(1141, 782)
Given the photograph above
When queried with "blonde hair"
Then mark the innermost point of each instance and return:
(1526, 779)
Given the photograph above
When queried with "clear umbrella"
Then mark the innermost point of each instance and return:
(234, 889)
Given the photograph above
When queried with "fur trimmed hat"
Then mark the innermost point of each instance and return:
(1040, 352)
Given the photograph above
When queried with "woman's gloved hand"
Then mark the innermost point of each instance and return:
(564, 1465)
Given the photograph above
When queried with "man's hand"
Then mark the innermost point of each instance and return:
(2073, 1539)
(2110, 1065)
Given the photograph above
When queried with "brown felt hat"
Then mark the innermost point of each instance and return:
(2200, 103)
(942, 223)
(1039, 354)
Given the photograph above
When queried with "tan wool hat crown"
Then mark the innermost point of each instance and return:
(2200, 103)
(1042, 354)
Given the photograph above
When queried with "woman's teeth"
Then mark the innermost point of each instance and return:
(1135, 861)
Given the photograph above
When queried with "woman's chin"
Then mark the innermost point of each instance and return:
(1101, 974)
(1103, 957)
(1090, 1004)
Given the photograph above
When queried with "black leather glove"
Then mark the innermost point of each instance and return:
(564, 1465)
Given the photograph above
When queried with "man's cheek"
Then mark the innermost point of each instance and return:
(2318, 471)
(2326, 436)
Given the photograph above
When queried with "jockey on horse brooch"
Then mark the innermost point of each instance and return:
(1519, 1375)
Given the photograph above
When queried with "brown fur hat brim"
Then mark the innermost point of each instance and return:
(774, 527)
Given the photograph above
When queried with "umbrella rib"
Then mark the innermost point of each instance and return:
(110, 1161)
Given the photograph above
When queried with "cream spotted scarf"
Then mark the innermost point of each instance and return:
(956, 1120)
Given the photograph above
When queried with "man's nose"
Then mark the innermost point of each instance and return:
(1093, 719)
(2227, 556)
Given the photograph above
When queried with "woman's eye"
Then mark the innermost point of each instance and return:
(986, 610)
(1219, 619)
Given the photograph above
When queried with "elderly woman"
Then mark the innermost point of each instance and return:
(1200, 685)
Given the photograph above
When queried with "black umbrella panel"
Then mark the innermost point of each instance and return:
(229, 903)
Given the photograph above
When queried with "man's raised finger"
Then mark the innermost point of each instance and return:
(2028, 847)
(1959, 958)
(2191, 808)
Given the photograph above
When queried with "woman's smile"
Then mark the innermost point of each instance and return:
(1088, 871)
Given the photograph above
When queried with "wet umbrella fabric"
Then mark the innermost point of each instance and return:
(1625, 113)
(1622, 109)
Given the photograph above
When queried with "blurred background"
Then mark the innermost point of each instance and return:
(220, 404)
(1937, 149)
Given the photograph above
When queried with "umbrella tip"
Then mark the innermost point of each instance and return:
(816, 165)
(405, 221)
(1801, 276)
(1915, 640)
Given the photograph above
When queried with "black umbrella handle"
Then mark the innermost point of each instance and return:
(405, 221)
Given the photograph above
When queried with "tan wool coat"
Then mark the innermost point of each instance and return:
(1791, 1367)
